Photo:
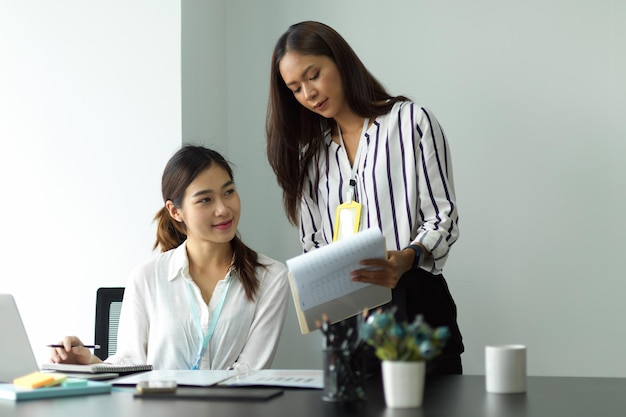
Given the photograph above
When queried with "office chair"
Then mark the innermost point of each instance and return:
(108, 306)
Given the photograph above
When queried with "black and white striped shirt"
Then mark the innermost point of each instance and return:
(404, 182)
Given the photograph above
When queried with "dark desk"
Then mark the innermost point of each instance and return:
(451, 396)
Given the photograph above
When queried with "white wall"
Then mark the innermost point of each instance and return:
(90, 111)
(532, 96)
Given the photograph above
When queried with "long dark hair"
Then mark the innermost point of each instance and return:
(295, 134)
(182, 168)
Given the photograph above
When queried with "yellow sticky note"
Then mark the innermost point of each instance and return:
(33, 380)
(58, 378)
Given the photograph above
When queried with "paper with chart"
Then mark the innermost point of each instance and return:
(320, 280)
(289, 378)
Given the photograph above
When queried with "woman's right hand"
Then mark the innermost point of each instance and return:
(73, 352)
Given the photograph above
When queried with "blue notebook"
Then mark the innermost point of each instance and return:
(12, 392)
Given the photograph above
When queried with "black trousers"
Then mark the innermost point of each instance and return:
(420, 292)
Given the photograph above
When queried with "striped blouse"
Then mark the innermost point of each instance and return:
(403, 181)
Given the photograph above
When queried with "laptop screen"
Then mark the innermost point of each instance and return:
(16, 354)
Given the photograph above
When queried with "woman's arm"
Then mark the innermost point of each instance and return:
(268, 321)
(311, 223)
(438, 210)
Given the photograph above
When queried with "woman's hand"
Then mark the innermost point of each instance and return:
(385, 272)
(73, 352)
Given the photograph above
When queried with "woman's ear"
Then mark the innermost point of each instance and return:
(173, 211)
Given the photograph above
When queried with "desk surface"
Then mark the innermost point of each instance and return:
(449, 396)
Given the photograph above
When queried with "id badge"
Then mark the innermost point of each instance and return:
(347, 220)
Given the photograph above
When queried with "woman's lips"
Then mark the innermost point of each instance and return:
(224, 225)
(321, 106)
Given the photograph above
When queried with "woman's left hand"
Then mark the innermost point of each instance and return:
(384, 272)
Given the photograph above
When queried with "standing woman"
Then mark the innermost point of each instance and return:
(207, 301)
(335, 136)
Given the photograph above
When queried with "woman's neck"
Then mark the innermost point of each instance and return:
(205, 255)
(349, 131)
(351, 125)
(208, 264)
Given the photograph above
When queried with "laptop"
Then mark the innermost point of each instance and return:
(17, 358)
(16, 354)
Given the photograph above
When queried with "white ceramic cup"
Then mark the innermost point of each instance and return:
(505, 369)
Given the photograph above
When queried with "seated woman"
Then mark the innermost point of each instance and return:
(207, 301)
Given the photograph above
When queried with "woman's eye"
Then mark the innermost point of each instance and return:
(296, 91)
(315, 76)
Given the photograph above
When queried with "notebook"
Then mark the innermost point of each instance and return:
(17, 357)
(96, 368)
(320, 280)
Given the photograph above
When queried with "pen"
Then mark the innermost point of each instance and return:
(85, 346)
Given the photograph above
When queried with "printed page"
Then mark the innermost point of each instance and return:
(195, 378)
(295, 378)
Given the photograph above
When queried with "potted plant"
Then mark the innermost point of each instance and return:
(403, 349)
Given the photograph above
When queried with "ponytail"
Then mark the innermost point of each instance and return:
(245, 263)
(170, 234)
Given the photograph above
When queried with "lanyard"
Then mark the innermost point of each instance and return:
(196, 319)
(357, 158)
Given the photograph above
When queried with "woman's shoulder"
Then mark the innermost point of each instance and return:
(272, 276)
(159, 257)
(407, 110)
(160, 264)
(407, 106)
(272, 265)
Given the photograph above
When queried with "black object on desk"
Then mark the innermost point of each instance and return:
(344, 371)
(215, 394)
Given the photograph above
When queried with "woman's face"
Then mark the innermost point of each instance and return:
(210, 208)
(315, 82)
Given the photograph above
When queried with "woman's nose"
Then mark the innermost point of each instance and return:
(309, 92)
(220, 207)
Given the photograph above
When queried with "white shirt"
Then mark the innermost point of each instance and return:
(157, 327)
(404, 182)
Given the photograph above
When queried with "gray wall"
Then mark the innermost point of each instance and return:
(532, 97)
(203, 57)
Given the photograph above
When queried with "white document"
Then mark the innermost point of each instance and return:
(192, 378)
(292, 378)
(320, 279)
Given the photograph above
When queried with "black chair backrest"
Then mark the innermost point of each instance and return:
(108, 306)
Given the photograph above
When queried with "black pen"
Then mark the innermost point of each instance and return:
(85, 346)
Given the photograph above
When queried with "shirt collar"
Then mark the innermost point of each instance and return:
(179, 262)
(179, 266)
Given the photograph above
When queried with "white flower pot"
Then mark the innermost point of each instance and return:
(403, 383)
